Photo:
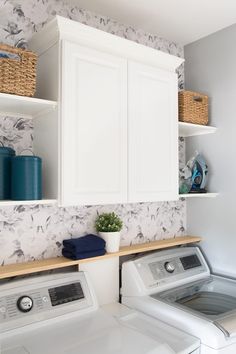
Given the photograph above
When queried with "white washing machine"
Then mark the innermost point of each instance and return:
(58, 314)
(175, 286)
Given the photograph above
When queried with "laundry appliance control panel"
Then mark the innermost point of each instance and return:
(170, 266)
(31, 301)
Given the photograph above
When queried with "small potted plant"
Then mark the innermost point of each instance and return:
(109, 226)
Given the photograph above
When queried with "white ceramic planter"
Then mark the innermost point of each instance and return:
(112, 240)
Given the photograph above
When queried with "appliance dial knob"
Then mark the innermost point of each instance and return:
(25, 303)
(169, 267)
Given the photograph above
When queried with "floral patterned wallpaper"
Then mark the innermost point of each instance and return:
(19, 19)
(36, 231)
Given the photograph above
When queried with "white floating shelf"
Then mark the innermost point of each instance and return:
(26, 202)
(24, 106)
(199, 195)
(188, 129)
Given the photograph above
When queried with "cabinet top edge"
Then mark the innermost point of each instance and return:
(61, 28)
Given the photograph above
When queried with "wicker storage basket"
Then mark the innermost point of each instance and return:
(193, 107)
(18, 74)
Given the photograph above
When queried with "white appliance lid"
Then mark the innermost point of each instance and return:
(227, 325)
(213, 299)
(96, 333)
(177, 340)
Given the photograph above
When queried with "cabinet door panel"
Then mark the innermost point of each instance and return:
(94, 127)
(152, 134)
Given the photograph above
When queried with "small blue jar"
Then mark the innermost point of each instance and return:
(26, 178)
(6, 155)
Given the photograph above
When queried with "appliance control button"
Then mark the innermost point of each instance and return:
(25, 303)
(45, 299)
(3, 309)
(170, 267)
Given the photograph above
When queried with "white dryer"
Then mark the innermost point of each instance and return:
(175, 286)
(58, 314)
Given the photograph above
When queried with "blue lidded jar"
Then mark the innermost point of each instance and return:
(26, 178)
(6, 155)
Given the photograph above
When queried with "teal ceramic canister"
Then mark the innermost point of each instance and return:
(26, 178)
(6, 155)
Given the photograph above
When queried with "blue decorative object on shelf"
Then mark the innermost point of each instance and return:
(26, 178)
(6, 155)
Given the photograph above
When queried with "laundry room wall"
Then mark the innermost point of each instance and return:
(36, 231)
(210, 68)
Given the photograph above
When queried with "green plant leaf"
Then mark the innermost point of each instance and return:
(108, 222)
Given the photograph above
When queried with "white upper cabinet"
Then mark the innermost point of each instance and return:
(153, 134)
(116, 134)
(94, 126)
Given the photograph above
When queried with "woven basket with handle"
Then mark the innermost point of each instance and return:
(18, 75)
(193, 107)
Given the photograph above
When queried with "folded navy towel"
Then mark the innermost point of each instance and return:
(82, 255)
(86, 243)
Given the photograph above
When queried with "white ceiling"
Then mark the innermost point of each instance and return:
(182, 21)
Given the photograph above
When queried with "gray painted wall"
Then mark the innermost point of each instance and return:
(210, 67)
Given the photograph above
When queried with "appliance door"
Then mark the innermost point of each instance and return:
(178, 341)
(213, 298)
(93, 334)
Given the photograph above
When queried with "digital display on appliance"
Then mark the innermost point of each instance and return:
(190, 262)
(66, 293)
